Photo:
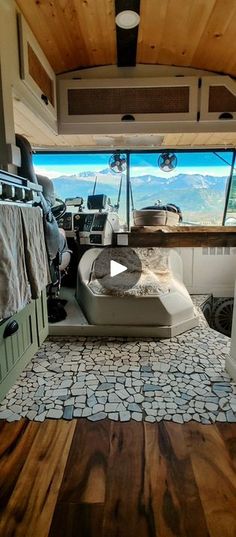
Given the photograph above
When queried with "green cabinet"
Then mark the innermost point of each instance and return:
(20, 338)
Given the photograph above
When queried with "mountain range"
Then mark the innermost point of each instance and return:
(193, 193)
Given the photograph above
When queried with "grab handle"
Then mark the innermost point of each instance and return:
(10, 329)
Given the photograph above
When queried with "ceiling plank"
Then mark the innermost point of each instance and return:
(73, 33)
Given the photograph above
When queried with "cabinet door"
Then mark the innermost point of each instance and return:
(35, 69)
(18, 344)
(218, 99)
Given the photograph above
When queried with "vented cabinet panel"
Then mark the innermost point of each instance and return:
(164, 100)
(221, 99)
(35, 71)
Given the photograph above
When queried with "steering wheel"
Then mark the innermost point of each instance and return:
(59, 209)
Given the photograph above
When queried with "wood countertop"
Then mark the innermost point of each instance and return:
(189, 236)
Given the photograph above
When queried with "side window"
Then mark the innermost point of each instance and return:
(230, 216)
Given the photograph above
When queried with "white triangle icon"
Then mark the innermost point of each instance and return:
(116, 268)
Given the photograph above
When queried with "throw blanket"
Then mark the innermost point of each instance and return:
(23, 260)
(154, 274)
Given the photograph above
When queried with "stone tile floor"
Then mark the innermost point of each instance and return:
(178, 379)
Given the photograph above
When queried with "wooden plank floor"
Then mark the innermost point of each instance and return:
(105, 479)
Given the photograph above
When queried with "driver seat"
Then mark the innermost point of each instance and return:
(56, 245)
(49, 195)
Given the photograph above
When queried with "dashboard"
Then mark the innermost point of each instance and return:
(90, 227)
(83, 221)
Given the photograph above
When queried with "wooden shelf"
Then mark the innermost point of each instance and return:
(188, 236)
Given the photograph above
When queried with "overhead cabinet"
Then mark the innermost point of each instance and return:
(164, 104)
(84, 103)
(35, 70)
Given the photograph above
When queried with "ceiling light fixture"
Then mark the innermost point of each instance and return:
(127, 19)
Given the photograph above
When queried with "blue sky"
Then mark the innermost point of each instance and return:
(56, 164)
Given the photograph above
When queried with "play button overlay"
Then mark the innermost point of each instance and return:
(117, 269)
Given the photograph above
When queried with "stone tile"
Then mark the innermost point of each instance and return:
(40, 417)
(31, 414)
(125, 416)
(134, 407)
(55, 414)
(114, 398)
(137, 416)
(113, 416)
(97, 408)
(111, 407)
(91, 401)
(97, 417)
(150, 419)
(177, 418)
(59, 392)
(105, 386)
(86, 412)
(78, 412)
(138, 398)
(68, 412)
(123, 394)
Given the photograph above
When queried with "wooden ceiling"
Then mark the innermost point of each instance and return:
(82, 33)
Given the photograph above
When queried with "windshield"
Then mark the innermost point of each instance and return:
(196, 183)
(75, 174)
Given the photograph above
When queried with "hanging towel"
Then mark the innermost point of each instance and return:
(15, 290)
(35, 250)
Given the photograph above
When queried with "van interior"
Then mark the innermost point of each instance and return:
(117, 268)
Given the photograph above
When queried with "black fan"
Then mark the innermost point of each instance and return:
(222, 315)
(167, 161)
(117, 163)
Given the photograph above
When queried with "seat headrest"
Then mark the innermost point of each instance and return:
(48, 189)
(26, 169)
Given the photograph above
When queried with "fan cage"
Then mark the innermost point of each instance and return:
(219, 313)
(118, 159)
(167, 161)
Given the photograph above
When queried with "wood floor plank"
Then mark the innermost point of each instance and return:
(79, 510)
(30, 508)
(170, 480)
(228, 434)
(85, 474)
(78, 520)
(215, 477)
(127, 511)
(16, 441)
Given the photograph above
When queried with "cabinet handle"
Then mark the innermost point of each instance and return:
(10, 329)
(44, 98)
